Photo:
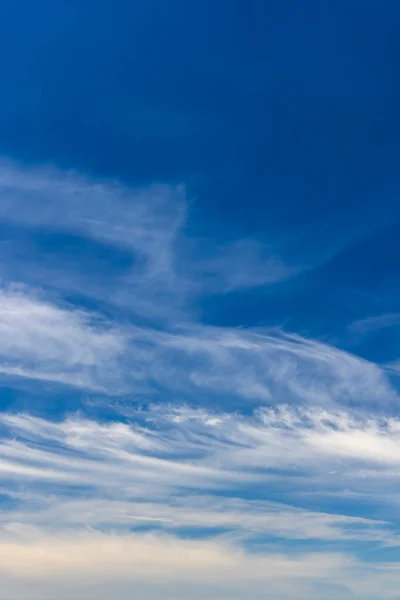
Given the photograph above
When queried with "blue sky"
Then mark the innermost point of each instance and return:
(199, 300)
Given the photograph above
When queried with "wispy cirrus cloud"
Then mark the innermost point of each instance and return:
(165, 268)
(271, 365)
(143, 222)
(39, 340)
(245, 263)
(53, 342)
(119, 467)
(242, 519)
(375, 323)
(122, 494)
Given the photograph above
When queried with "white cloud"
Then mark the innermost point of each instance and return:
(267, 366)
(104, 456)
(244, 263)
(93, 565)
(41, 341)
(240, 518)
(311, 440)
(370, 324)
(185, 470)
(131, 473)
(144, 222)
(58, 343)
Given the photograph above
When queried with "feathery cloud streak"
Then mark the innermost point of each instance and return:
(167, 268)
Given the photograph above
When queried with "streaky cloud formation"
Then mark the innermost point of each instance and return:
(370, 324)
(162, 453)
(163, 268)
(41, 340)
(181, 451)
(67, 475)
(199, 300)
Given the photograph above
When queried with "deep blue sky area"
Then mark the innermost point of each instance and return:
(281, 118)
